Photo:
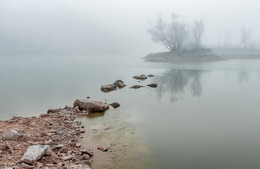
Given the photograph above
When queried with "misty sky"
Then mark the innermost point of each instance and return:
(115, 26)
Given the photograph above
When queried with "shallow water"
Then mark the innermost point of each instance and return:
(202, 115)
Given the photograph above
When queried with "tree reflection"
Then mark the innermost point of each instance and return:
(243, 77)
(176, 82)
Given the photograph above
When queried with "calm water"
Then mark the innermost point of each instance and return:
(201, 116)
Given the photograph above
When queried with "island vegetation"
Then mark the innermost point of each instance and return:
(183, 42)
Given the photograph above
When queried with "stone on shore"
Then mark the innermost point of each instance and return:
(34, 153)
(90, 106)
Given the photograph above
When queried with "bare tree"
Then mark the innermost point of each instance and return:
(245, 36)
(172, 35)
(197, 32)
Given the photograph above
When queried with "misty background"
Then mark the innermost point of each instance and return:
(114, 27)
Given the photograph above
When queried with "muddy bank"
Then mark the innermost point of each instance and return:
(50, 140)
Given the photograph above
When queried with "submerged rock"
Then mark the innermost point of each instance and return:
(90, 106)
(34, 153)
(136, 87)
(153, 85)
(115, 105)
(81, 167)
(150, 75)
(141, 77)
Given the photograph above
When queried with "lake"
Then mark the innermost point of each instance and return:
(201, 115)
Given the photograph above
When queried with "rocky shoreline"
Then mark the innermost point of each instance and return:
(51, 140)
(54, 139)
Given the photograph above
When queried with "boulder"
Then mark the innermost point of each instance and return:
(108, 88)
(119, 83)
(115, 105)
(141, 77)
(153, 85)
(150, 75)
(90, 106)
(136, 87)
(34, 153)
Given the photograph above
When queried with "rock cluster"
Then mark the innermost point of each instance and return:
(119, 84)
(50, 140)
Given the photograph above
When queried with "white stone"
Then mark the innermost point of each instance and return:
(34, 153)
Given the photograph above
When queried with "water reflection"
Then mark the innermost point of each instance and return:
(243, 77)
(175, 82)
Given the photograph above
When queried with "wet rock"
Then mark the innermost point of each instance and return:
(136, 87)
(34, 153)
(108, 88)
(90, 106)
(53, 110)
(103, 148)
(150, 75)
(119, 83)
(141, 77)
(81, 131)
(86, 151)
(153, 85)
(115, 105)
(111, 87)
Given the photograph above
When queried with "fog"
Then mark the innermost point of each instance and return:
(114, 26)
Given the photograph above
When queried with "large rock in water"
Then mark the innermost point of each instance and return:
(108, 88)
(90, 106)
(34, 153)
(119, 84)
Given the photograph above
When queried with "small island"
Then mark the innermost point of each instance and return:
(184, 43)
